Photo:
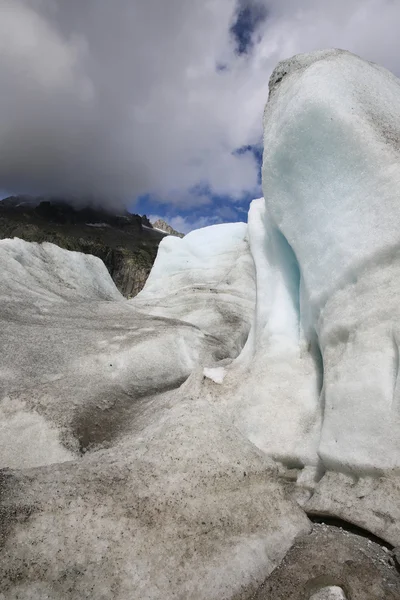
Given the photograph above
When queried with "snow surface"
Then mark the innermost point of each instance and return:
(217, 374)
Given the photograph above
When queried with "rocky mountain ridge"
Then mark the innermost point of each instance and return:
(125, 242)
(160, 224)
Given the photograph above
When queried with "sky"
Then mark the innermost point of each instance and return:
(157, 104)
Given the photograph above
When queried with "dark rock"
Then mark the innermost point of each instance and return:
(127, 249)
(146, 221)
(333, 557)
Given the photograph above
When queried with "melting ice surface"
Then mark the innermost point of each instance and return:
(158, 425)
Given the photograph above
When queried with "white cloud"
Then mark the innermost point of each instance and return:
(115, 99)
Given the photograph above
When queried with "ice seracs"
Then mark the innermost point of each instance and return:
(331, 178)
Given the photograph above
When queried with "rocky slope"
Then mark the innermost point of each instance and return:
(126, 247)
(163, 226)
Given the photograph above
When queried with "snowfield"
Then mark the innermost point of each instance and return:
(171, 446)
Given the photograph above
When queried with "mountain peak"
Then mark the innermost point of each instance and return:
(163, 226)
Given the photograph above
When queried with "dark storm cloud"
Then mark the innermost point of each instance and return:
(115, 99)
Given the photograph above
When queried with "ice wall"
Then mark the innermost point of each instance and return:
(274, 385)
(331, 179)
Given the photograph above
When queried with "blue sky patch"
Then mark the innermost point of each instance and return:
(217, 209)
(249, 16)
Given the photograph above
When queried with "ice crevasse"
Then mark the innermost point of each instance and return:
(144, 442)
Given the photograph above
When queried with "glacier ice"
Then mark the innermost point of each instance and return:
(331, 178)
(274, 384)
(166, 442)
(206, 279)
(78, 354)
(123, 488)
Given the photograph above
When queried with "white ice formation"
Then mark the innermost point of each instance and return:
(148, 445)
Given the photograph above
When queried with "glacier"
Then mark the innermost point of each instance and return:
(176, 445)
(342, 223)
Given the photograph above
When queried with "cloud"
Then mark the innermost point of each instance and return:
(114, 100)
(218, 212)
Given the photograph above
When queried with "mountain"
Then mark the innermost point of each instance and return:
(160, 224)
(126, 243)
